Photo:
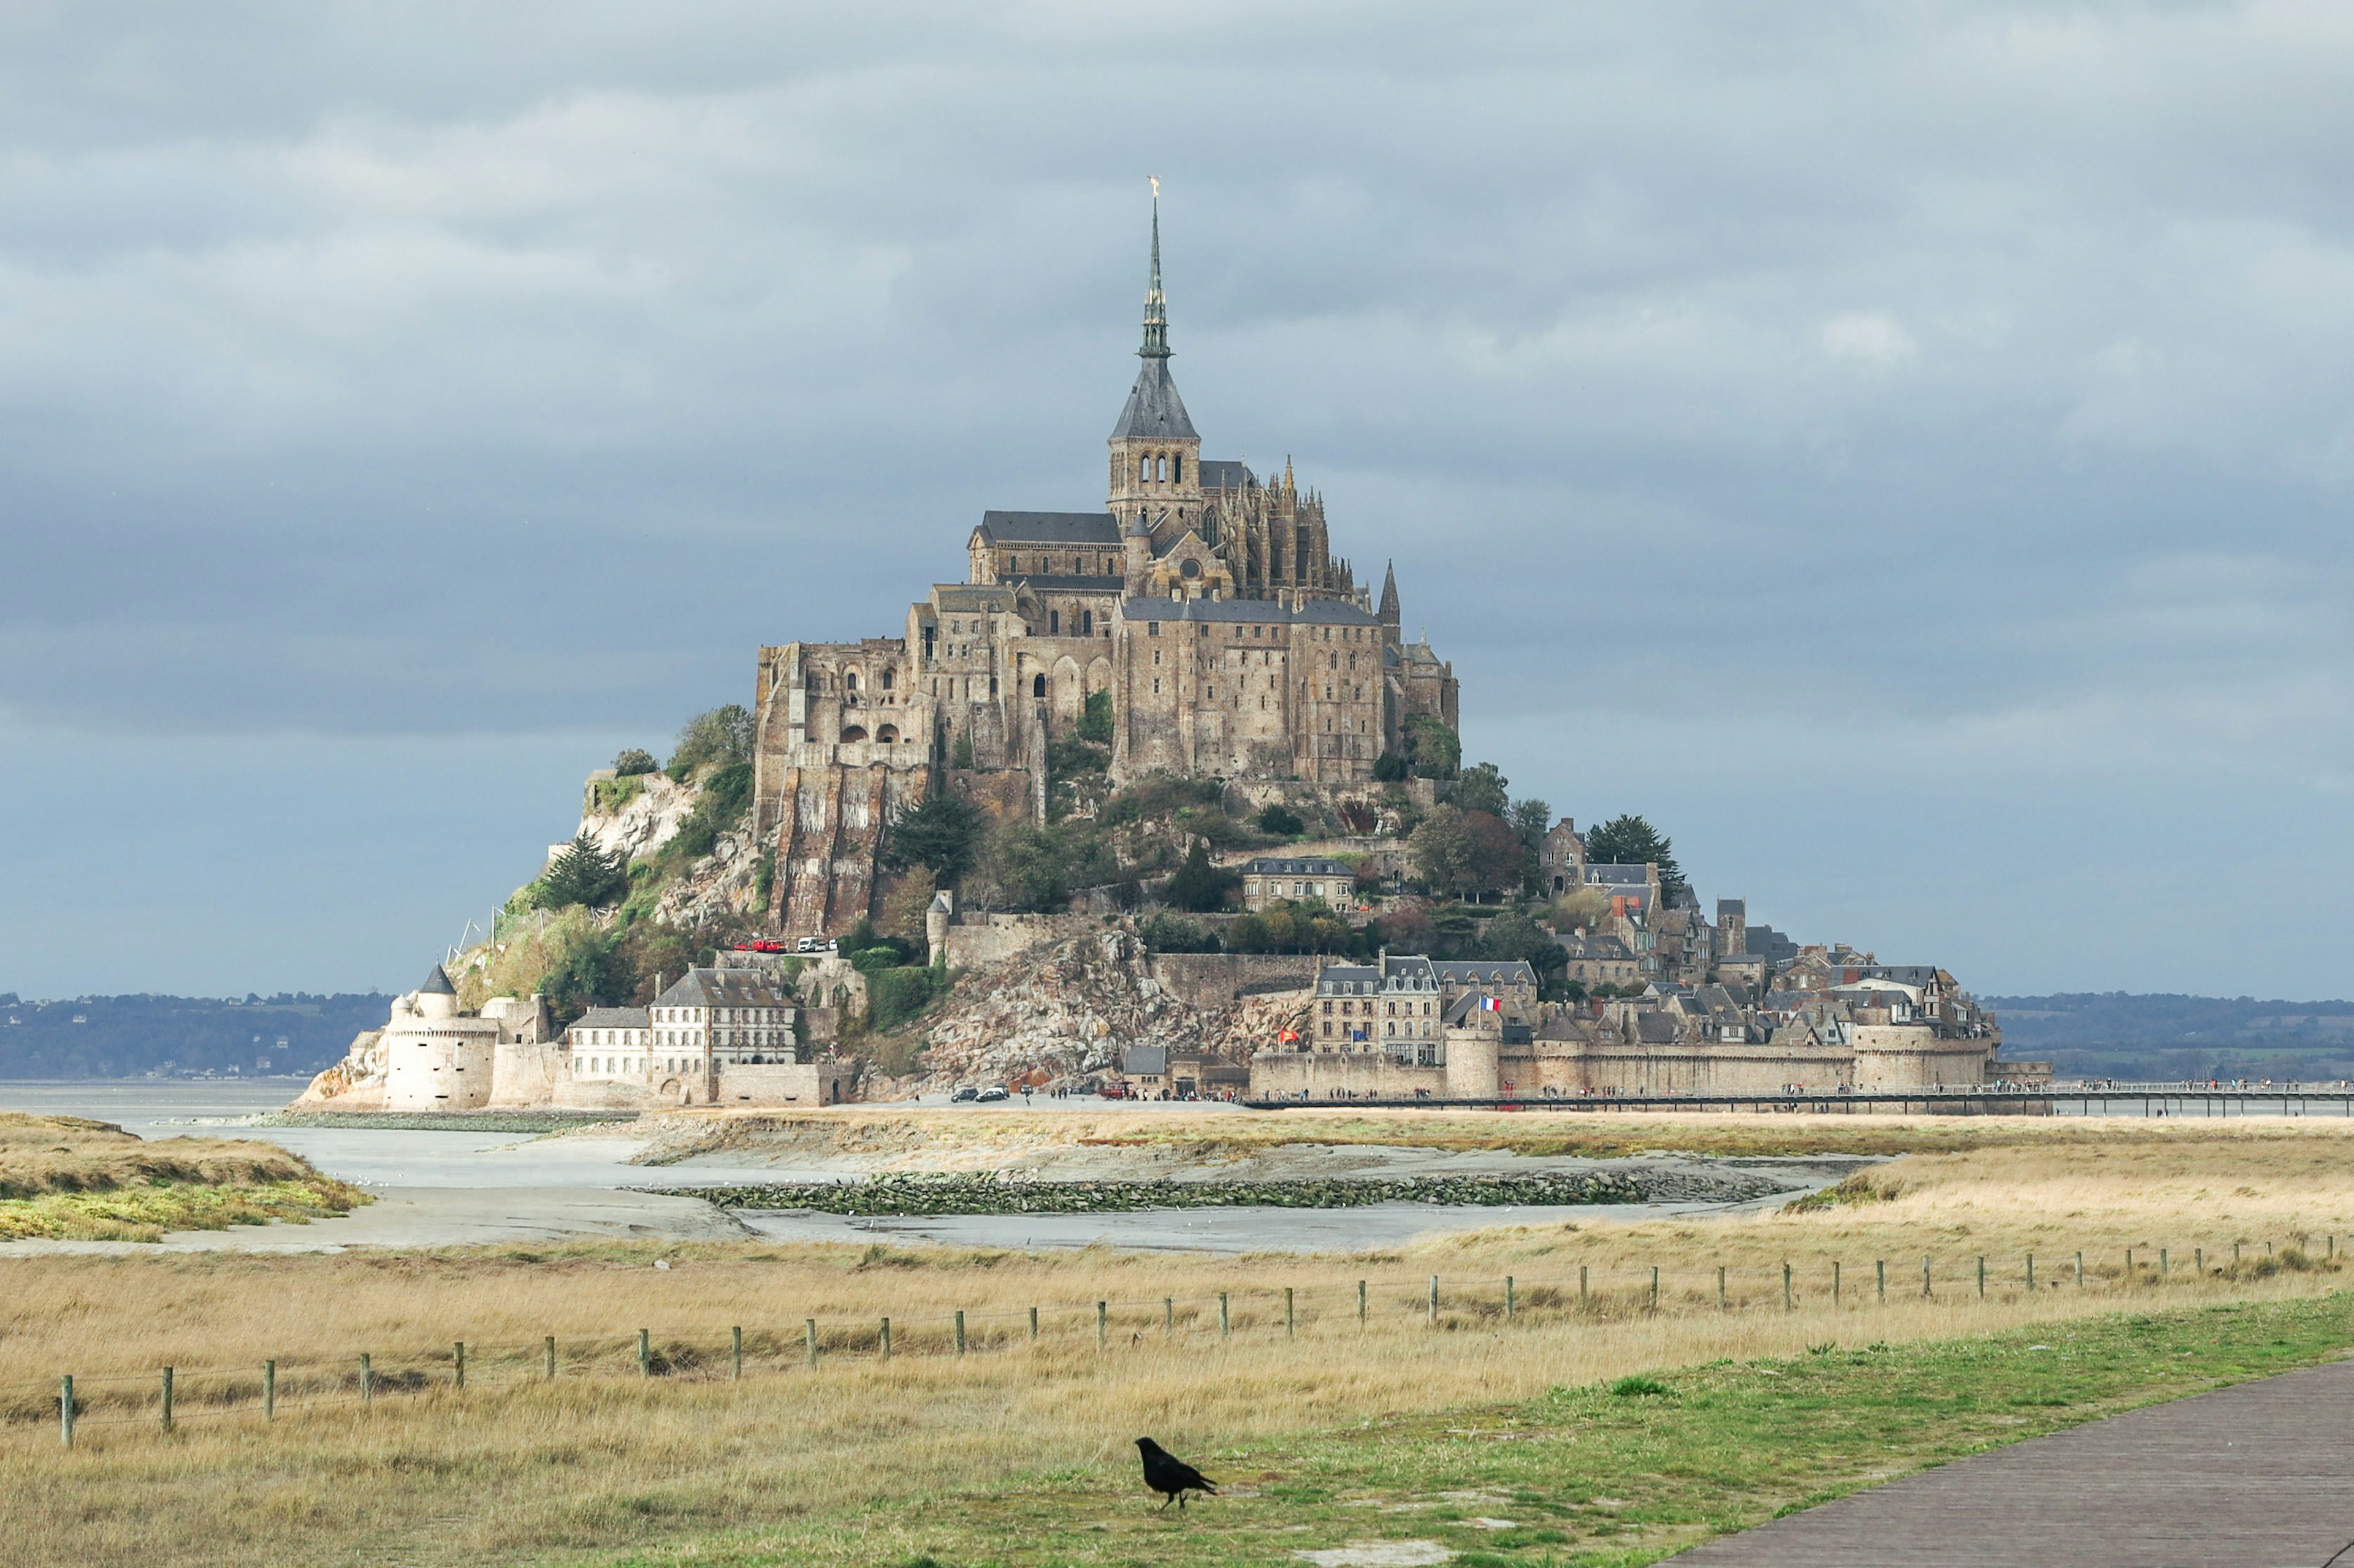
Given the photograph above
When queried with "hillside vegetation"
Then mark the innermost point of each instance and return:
(75, 1179)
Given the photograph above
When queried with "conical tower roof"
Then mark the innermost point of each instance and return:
(437, 984)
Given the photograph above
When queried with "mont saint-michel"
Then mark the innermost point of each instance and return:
(1159, 800)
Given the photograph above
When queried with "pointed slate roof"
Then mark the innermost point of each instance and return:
(1389, 610)
(437, 984)
(1153, 409)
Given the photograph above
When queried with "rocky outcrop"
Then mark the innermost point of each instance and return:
(1067, 1009)
(649, 819)
(355, 1083)
(724, 882)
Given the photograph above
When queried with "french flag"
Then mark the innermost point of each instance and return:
(1491, 1004)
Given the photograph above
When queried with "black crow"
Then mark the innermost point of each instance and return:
(1165, 1472)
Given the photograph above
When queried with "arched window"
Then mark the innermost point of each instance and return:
(1177, 469)
(887, 735)
(887, 680)
(852, 732)
(1144, 470)
(849, 681)
(1037, 685)
(1160, 467)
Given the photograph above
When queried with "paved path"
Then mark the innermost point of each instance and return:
(2256, 1476)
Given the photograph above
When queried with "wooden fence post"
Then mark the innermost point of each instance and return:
(167, 1399)
(1226, 1324)
(1168, 1314)
(2163, 1263)
(2129, 1272)
(1720, 1286)
(1434, 1301)
(1033, 1325)
(2199, 1261)
(1508, 1298)
(1581, 1285)
(885, 1340)
(1103, 1324)
(1835, 1280)
(735, 1354)
(1924, 1278)
(368, 1380)
(269, 1390)
(1787, 1302)
(1981, 1277)
(548, 1350)
(959, 1329)
(1289, 1324)
(2030, 1271)
(1360, 1303)
(65, 1410)
(458, 1362)
(2080, 1270)
(1881, 1265)
(809, 1337)
(645, 1354)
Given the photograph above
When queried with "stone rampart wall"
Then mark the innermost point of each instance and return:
(1211, 981)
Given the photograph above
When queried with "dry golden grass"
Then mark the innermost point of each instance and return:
(511, 1470)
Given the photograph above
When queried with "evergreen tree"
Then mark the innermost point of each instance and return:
(583, 874)
(942, 834)
(1628, 840)
(1198, 885)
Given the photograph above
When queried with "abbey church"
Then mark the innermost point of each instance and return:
(1205, 601)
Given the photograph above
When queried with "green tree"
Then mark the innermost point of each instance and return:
(1531, 819)
(942, 834)
(1430, 748)
(723, 735)
(1390, 767)
(1441, 848)
(1627, 840)
(634, 761)
(1199, 885)
(583, 874)
(1024, 869)
(1094, 720)
(1305, 926)
(960, 753)
(1483, 787)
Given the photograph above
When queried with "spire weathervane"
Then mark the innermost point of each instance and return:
(1156, 308)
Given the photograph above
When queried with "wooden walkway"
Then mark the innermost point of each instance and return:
(2256, 1476)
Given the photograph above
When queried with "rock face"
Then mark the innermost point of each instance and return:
(649, 819)
(1068, 1008)
(724, 882)
(355, 1083)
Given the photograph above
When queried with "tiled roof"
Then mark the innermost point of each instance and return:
(1050, 528)
(724, 988)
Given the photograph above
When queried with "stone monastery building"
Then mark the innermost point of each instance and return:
(1204, 603)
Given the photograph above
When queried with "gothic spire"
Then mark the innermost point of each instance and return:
(1389, 610)
(1156, 307)
(1155, 411)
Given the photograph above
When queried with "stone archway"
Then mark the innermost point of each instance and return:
(1069, 693)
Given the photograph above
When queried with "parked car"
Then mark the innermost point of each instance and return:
(1113, 1091)
(994, 1092)
(962, 1095)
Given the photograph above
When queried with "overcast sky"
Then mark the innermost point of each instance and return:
(1904, 450)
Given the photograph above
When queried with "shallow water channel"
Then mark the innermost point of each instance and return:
(449, 1188)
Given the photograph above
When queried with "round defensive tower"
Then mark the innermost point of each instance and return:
(435, 1058)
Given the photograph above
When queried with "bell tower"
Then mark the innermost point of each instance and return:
(1156, 458)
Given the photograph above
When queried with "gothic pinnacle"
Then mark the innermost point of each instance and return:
(1156, 306)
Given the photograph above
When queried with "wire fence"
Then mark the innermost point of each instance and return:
(168, 1397)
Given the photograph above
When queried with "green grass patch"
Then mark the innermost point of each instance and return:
(1583, 1477)
(142, 1213)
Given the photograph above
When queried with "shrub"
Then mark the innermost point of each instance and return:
(1389, 768)
(1280, 821)
(725, 796)
(895, 995)
(1173, 934)
(1095, 723)
(634, 761)
(1638, 1388)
